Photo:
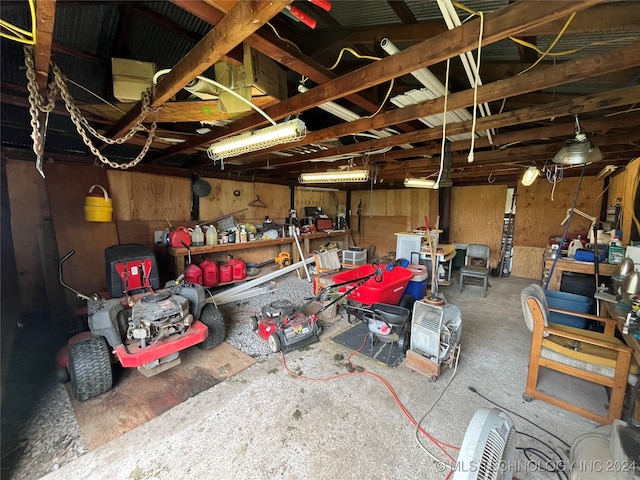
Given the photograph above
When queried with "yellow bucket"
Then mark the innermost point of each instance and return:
(97, 208)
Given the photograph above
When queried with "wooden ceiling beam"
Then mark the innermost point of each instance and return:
(268, 44)
(610, 17)
(586, 103)
(504, 22)
(45, 19)
(538, 79)
(402, 10)
(244, 19)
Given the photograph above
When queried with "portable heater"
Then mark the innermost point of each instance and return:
(435, 336)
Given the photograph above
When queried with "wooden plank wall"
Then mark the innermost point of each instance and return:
(29, 209)
(477, 216)
(385, 212)
(329, 201)
(623, 188)
(527, 262)
(67, 186)
(538, 217)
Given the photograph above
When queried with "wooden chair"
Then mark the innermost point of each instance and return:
(595, 357)
(474, 252)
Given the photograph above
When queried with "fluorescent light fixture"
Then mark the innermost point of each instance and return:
(530, 176)
(252, 141)
(578, 151)
(419, 183)
(335, 177)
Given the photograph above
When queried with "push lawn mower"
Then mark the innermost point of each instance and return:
(285, 328)
(135, 324)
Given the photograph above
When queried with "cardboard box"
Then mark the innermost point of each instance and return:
(131, 78)
(265, 74)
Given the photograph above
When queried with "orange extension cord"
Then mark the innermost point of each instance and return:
(412, 421)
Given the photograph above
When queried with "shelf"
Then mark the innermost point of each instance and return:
(227, 247)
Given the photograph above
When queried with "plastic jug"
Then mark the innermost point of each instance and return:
(226, 273)
(212, 235)
(210, 273)
(193, 274)
(441, 273)
(197, 236)
(179, 235)
(575, 245)
(239, 269)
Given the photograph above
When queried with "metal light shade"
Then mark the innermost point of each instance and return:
(624, 268)
(578, 152)
(419, 183)
(530, 176)
(630, 287)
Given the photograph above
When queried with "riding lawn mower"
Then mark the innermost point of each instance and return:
(136, 323)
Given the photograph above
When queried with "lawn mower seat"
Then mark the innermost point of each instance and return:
(130, 268)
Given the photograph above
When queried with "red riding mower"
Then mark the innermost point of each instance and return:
(136, 324)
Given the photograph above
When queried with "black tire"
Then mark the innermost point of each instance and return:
(214, 321)
(318, 328)
(407, 302)
(274, 343)
(62, 375)
(403, 342)
(254, 323)
(90, 368)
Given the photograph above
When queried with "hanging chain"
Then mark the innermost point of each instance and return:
(59, 86)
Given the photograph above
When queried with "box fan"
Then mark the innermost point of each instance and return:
(488, 450)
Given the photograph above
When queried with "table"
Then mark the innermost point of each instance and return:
(570, 265)
(324, 237)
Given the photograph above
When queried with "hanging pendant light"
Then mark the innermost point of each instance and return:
(530, 176)
(578, 150)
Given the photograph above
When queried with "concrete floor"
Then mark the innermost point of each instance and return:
(266, 423)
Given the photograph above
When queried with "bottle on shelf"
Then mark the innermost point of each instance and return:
(575, 244)
(243, 235)
(441, 273)
(212, 235)
(197, 236)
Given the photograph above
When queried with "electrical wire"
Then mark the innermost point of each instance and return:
(573, 50)
(357, 370)
(354, 53)
(284, 39)
(548, 464)
(473, 389)
(475, 91)
(553, 44)
(566, 227)
(18, 34)
(444, 124)
(420, 444)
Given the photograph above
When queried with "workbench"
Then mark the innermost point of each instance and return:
(312, 241)
(570, 265)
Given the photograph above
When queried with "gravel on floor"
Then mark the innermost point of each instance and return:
(51, 438)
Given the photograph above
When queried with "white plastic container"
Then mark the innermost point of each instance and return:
(575, 244)
(197, 236)
(212, 235)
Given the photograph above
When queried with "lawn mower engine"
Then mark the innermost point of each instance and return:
(285, 329)
(158, 315)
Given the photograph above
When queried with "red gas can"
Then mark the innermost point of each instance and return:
(179, 235)
(239, 269)
(193, 274)
(226, 273)
(210, 273)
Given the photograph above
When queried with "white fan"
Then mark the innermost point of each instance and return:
(488, 451)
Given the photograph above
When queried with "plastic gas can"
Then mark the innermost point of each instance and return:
(238, 269)
(226, 273)
(178, 236)
(193, 274)
(210, 273)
